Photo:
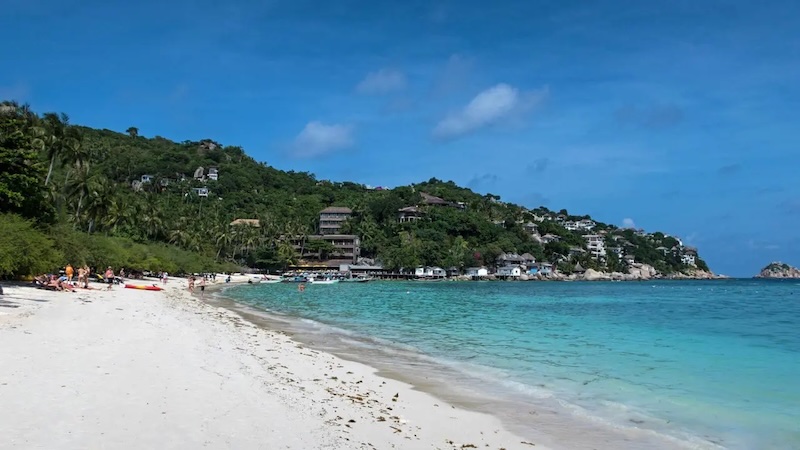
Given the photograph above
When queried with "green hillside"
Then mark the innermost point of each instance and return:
(95, 194)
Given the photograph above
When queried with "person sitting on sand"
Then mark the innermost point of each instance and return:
(65, 286)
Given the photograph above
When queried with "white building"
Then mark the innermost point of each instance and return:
(477, 272)
(596, 245)
(213, 173)
(201, 192)
(689, 260)
(509, 271)
(147, 178)
(430, 272)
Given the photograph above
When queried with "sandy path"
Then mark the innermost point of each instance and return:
(132, 369)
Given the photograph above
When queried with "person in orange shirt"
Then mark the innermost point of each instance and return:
(69, 272)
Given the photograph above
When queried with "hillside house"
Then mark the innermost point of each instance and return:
(510, 259)
(409, 214)
(548, 238)
(213, 173)
(596, 245)
(201, 192)
(433, 200)
(528, 259)
(531, 228)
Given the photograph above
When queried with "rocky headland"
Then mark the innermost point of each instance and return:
(779, 270)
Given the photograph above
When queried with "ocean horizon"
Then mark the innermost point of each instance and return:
(655, 364)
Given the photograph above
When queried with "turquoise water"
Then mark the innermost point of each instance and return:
(660, 364)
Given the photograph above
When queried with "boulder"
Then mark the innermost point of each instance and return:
(594, 275)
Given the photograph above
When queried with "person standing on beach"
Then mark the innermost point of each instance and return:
(164, 277)
(202, 287)
(109, 278)
(191, 283)
(69, 272)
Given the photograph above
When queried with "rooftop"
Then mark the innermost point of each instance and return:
(251, 222)
(336, 210)
(432, 199)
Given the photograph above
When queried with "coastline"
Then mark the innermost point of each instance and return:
(546, 420)
(131, 369)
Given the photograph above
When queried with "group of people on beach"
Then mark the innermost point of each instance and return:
(202, 283)
(67, 281)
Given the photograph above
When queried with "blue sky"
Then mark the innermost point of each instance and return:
(681, 116)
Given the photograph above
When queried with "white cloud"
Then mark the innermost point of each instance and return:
(318, 139)
(628, 223)
(383, 81)
(496, 104)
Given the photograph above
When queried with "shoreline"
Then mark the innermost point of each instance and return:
(555, 425)
(130, 369)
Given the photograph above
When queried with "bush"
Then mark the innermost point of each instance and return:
(24, 250)
(100, 251)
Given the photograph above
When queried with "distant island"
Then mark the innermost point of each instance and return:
(152, 204)
(779, 270)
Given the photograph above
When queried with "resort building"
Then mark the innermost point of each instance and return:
(430, 272)
(548, 238)
(332, 218)
(509, 271)
(477, 272)
(347, 248)
(596, 245)
(409, 214)
(511, 259)
(201, 192)
(689, 256)
(213, 173)
(147, 179)
(433, 200)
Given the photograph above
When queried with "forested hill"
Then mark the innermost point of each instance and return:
(97, 187)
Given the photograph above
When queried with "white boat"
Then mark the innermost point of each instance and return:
(323, 281)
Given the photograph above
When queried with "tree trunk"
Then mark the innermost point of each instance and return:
(50, 170)
(78, 211)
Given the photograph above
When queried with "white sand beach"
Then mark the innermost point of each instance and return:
(130, 369)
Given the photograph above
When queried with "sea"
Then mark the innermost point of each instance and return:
(583, 365)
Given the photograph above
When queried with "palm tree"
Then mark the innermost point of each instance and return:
(133, 131)
(56, 135)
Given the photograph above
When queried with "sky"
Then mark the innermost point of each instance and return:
(677, 116)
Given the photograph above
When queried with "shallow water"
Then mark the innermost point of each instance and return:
(660, 364)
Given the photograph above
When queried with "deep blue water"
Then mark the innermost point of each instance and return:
(703, 363)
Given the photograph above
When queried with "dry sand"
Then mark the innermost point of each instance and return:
(130, 369)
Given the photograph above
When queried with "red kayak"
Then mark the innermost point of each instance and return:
(144, 288)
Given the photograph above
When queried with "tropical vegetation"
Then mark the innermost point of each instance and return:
(77, 194)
